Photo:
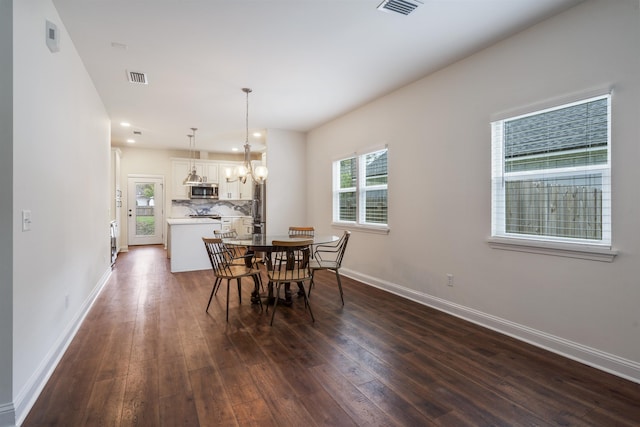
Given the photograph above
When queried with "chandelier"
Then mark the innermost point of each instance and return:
(192, 176)
(260, 172)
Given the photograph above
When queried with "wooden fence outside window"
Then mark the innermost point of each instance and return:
(545, 209)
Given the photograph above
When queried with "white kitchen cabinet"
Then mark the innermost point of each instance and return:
(245, 191)
(226, 190)
(179, 170)
(234, 190)
(209, 170)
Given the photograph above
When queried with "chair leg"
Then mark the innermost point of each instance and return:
(270, 286)
(275, 302)
(311, 282)
(227, 300)
(340, 286)
(216, 284)
(239, 293)
(307, 305)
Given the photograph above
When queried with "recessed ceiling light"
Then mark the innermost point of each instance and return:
(235, 149)
(131, 141)
(125, 124)
(257, 134)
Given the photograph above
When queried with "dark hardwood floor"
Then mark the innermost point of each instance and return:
(148, 355)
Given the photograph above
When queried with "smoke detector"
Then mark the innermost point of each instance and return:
(403, 7)
(137, 78)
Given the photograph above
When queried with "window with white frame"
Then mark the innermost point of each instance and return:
(551, 174)
(360, 189)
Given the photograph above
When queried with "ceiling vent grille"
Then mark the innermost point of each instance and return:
(137, 78)
(403, 7)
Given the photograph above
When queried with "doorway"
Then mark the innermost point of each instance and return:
(145, 215)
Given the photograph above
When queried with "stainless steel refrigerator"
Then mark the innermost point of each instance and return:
(258, 209)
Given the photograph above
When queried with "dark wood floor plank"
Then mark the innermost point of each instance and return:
(212, 404)
(141, 400)
(117, 355)
(148, 354)
(325, 411)
(239, 385)
(173, 377)
(178, 410)
(290, 411)
(362, 410)
(105, 404)
(254, 413)
(399, 409)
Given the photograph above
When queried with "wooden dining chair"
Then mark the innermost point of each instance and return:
(302, 232)
(237, 251)
(240, 254)
(289, 262)
(223, 268)
(329, 257)
(295, 231)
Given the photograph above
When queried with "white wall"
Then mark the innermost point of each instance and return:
(439, 189)
(287, 181)
(6, 194)
(61, 173)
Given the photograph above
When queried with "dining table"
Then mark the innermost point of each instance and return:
(264, 243)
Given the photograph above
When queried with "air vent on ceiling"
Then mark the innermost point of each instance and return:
(137, 77)
(403, 7)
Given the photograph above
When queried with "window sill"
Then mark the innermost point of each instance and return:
(588, 252)
(364, 228)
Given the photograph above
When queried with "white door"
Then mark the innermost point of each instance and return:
(145, 210)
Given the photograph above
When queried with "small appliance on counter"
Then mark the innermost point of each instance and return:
(204, 190)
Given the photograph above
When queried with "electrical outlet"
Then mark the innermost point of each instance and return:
(449, 279)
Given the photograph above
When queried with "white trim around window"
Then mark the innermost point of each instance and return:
(551, 185)
(360, 191)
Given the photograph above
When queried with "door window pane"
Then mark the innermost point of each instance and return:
(145, 214)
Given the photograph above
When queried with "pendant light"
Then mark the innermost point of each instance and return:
(259, 174)
(192, 176)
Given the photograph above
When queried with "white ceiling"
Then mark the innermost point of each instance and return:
(307, 61)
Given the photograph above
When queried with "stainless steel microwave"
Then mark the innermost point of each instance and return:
(203, 191)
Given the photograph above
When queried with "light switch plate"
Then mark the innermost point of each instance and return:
(26, 220)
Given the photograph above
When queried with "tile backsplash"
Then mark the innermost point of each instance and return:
(184, 208)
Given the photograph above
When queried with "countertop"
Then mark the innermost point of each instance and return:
(187, 221)
(191, 220)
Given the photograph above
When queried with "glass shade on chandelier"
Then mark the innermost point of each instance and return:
(257, 174)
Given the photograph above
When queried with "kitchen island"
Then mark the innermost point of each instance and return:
(184, 242)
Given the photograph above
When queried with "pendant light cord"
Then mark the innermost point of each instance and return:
(247, 91)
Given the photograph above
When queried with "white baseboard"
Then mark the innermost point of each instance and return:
(607, 362)
(30, 392)
(7, 415)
